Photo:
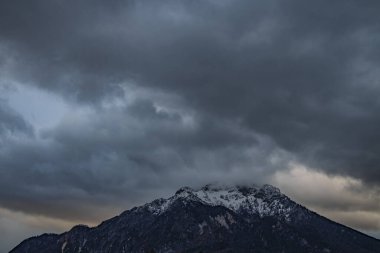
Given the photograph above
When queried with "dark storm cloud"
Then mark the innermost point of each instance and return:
(301, 75)
(120, 156)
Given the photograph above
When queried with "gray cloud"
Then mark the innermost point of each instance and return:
(102, 160)
(11, 122)
(302, 74)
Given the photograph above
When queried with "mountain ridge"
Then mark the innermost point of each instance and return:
(213, 218)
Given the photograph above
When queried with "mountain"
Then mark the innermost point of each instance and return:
(211, 219)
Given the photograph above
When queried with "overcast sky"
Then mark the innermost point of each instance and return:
(105, 105)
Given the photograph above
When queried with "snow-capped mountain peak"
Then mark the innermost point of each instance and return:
(264, 201)
(210, 219)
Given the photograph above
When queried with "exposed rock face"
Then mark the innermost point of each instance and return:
(211, 219)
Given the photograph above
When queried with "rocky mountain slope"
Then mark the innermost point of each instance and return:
(211, 219)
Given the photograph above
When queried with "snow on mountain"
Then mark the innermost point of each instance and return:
(211, 219)
(264, 201)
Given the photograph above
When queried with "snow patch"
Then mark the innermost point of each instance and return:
(201, 226)
(264, 201)
(222, 221)
(63, 246)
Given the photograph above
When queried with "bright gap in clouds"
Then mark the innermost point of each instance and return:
(38, 107)
(340, 198)
(17, 226)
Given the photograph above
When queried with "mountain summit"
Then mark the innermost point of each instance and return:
(211, 219)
